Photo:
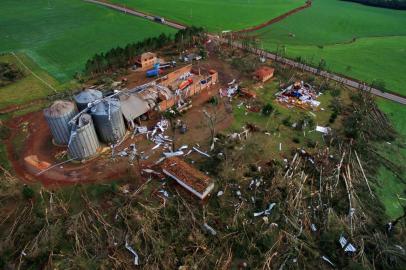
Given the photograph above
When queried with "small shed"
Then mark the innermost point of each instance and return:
(264, 73)
(188, 177)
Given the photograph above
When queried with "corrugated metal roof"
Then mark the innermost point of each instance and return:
(59, 108)
(88, 95)
(133, 106)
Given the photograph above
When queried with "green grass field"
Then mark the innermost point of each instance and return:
(391, 187)
(327, 29)
(215, 15)
(29, 87)
(60, 36)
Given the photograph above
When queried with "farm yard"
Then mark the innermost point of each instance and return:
(60, 36)
(364, 42)
(215, 15)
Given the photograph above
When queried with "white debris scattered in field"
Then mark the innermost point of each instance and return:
(130, 249)
(201, 152)
(348, 246)
(324, 130)
(209, 229)
(266, 212)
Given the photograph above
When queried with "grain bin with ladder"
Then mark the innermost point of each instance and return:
(108, 120)
(58, 117)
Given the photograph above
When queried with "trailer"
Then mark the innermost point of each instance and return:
(153, 72)
(185, 84)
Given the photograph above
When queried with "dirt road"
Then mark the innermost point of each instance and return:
(137, 13)
(347, 81)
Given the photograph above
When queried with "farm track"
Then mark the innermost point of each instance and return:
(339, 78)
(275, 20)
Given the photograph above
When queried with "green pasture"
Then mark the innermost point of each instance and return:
(60, 36)
(390, 186)
(215, 15)
(29, 87)
(366, 59)
(329, 22)
(360, 41)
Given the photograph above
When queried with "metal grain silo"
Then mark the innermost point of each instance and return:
(108, 120)
(58, 117)
(83, 141)
(87, 96)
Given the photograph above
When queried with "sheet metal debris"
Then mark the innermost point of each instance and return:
(130, 249)
(348, 247)
(201, 152)
(324, 130)
(328, 261)
(209, 229)
(266, 212)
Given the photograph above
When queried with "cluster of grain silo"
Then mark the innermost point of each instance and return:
(81, 133)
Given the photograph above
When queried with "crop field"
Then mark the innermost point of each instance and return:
(60, 36)
(215, 15)
(360, 41)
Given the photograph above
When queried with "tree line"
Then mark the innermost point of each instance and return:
(123, 57)
(394, 4)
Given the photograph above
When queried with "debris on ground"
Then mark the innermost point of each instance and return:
(300, 95)
(324, 130)
(209, 229)
(266, 212)
(130, 249)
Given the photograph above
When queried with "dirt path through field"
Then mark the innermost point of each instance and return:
(277, 19)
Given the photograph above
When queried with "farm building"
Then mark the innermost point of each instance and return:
(172, 89)
(188, 177)
(146, 60)
(264, 74)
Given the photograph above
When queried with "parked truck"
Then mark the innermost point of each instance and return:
(159, 19)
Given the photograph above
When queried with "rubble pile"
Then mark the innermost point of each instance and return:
(300, 95)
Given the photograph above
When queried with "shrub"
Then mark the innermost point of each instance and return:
(4, 132)
(379, 84)
(28, 192)
(336, 92)
(286, 122)
(295, 140)
(311, 143)
(267, 109)
(333, 117)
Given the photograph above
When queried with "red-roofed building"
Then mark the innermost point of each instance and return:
(263, 74)
(188, 177)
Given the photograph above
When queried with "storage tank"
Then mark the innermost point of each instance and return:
(58, 117)
(87, 96)
(83, 141)
(108, 120)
